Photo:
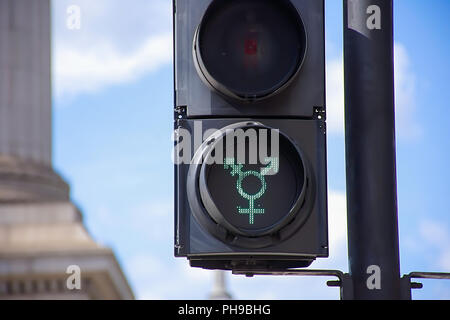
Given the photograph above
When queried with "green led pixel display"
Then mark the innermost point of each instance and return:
(271, 168)
(256, 187)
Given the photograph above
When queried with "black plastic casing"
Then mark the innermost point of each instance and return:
(298, 111)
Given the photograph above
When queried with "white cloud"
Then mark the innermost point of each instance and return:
(434, 233)
(165, 277)
(405, 94)
(144, 266)
(337, 224)
(79, 71)
(435, 237)
(405, 88)
(155, 220)
(118, 42)
(335, 96)
(444, 260)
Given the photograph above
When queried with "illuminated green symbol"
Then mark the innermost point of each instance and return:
(271, 168)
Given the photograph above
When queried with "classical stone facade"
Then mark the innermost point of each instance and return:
(42, 235)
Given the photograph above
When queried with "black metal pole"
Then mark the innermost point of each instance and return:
(370, 149)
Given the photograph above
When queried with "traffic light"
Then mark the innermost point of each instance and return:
(250, 133)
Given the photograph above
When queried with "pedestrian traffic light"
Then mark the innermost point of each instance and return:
(250, 133)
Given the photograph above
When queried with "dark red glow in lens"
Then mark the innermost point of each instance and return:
(251, 47)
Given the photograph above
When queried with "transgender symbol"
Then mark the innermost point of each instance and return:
(272, 167)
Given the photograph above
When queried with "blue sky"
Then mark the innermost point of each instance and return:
(112, 85)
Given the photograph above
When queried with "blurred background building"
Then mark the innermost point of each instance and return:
(41, 231)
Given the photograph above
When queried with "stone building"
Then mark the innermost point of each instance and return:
(42, 236)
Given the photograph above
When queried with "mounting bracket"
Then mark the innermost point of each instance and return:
(345, 282)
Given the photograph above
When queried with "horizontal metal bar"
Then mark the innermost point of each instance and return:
(345, 281)
(319, 273)
(430, 275)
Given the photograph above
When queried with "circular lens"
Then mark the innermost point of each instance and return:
(249, 49)
(255, 198)
(253, 183)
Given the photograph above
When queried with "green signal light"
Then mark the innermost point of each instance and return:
(236, 170)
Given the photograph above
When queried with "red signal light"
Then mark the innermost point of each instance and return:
(251, 47)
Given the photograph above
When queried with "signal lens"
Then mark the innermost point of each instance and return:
(249, 49)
